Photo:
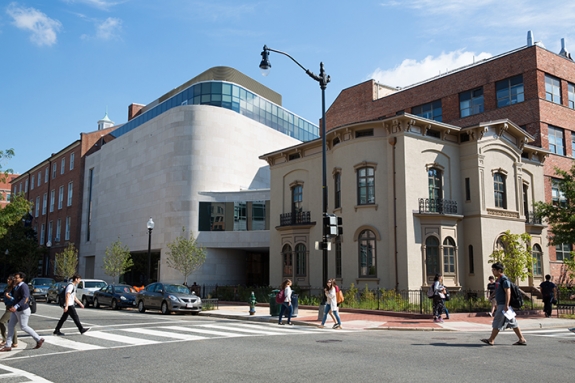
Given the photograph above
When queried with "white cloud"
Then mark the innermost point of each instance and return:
(43, 28)
(100, 4)
(109, 29)
(412, 71)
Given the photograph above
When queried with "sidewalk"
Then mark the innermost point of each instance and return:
(368, 320)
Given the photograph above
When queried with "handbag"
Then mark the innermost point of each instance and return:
(339, 297)
(447, 296)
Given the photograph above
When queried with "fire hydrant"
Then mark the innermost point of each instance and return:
(252, 303)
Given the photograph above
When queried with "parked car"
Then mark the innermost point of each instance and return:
(53, 294)
(39, 287)
(2, 287)
(115, 296)
(86, 288)
(168, 298)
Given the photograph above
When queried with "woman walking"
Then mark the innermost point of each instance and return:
(9, 302)
(286, 304)
(438, 298)
(331, 304)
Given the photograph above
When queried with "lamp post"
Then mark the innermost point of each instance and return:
(150, 226)
(323, 79)
(47, 260)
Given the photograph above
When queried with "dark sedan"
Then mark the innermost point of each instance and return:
(39, 287)
(168, 298)
(53, 294)
(115, 296)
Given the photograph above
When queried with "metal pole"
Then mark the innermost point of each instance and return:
(149, 255)
(323, 85)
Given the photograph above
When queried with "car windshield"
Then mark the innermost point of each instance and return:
(98, 285)
(124, 289)
(43, 282)
(177, 289)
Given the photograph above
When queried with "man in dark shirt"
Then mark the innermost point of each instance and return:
(491, 294)
(549, 291)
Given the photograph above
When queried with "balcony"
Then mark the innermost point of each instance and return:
(295, 218)
(437, 206)
(532, 219)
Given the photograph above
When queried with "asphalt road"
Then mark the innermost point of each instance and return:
(126, 346)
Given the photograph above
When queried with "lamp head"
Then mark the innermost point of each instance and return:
(150, 224)
(49, 243)
(265, 64)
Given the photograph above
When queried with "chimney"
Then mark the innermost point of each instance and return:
(563, 51)
(529, 38)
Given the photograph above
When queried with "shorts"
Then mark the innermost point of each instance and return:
(500, 322)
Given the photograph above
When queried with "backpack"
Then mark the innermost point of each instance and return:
(281, 296)
(516, 300)
(431, 291)
(62, 295)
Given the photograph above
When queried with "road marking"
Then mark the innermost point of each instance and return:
(59, 341)
(240, 329)
(282, 329)
(119, 338)
(204, 331)
(16, 373)
(164, 334)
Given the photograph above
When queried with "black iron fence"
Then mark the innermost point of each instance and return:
(532, 218)
(295, 218)
(437, 205)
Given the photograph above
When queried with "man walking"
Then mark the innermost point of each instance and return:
(549, 291)
(20, 313)
(502, 297)
(70, 309)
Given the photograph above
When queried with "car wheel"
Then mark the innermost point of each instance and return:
(141, 307)
(58, 300)
(48, 300)
(85, 301)
(114, 304)
(165, 309)
(96, 303)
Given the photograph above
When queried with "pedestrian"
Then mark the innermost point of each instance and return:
(438, 298)
(491, 294)
(9, 302)
(549, 291)
(20, 313)
(70, 309)
(502, 297)
(286, 304)
(331, 304)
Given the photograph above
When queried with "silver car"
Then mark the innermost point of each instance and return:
(168, 298)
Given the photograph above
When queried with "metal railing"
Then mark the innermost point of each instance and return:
(295, 218)
(532, 219)
(437, 205)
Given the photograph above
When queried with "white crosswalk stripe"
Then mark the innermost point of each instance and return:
(120, 338)
(67, 343)
(205, 331)
(164, 334)
(552, 333)
(15, 374)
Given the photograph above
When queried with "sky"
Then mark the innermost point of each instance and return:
(64, 63)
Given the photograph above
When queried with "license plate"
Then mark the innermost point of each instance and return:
(189, 305)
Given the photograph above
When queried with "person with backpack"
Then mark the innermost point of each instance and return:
(438, 298)
(69, 308)
(503, 297)
(286, 303)
(331, 304)
(549, 291)
(9, 302)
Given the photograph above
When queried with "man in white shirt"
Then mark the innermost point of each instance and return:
(70, 309)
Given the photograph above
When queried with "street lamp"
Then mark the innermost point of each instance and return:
(150, 226)
(47, 260)
(323, 80)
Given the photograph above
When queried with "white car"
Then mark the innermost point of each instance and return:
(86, 288)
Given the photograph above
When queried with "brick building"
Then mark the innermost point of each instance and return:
(54, 186)
(530, 86)
(5, 190)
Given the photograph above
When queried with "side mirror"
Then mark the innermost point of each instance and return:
(160, 291)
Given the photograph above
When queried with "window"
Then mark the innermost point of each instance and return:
(67, 232)
(258, 215)
(509, 91)
(430, 110)
(364, 133)
(563, 252)
(432, 256)
(573, 144)
(434, 183)
(537, 264)
(338, 257)
(44, 203)
(70, 187)
(571, 94)
(448, 256)
(471, 102)
(42, 234)
(367, 254)
(46, 175)
(300, 260)
(467, 190)
(471, 261)
(37, 206)
(337, 188)
(32, 183)
(60, 197)
(58, 230)
(72, 161)
(26, 186)
(63, 165)
(499, 190)
(240, 218)
(557, 196)
(297, 198)
(52, 200)
(556, 143)
(365, 186)
(552, 89)
(39, 178)
(49, 232)
(335, 141)
(287, 261)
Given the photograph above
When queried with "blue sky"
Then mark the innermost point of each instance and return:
(63, 62)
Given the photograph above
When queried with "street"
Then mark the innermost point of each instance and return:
(126, 346)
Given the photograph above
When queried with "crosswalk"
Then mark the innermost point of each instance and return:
(552, 333)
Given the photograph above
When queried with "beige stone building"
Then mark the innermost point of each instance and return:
(417, 197)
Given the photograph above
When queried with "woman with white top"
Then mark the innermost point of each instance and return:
(286, 287)
(331, 304)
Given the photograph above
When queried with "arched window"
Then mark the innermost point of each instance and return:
(499, 190)
(367, 254)
(448, 256)
(300, 260)
(432, 256)
(365, 186)
(287, 265)
(537, 264)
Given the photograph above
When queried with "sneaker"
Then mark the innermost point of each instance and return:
(281, 323)
(435, 320)
(490, 314)
(572, 329)
(58, 333)
(440, 320)
(85, 330)
(321, 326)
(5, 349)
(39, 343)
(290, 324)
(337, 325)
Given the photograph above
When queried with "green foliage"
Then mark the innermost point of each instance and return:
(185, 255)
(8, 153)
(23, 251)
(13, 213)
(350, 296)
(118, 259)
(67, 261)
(516, 255)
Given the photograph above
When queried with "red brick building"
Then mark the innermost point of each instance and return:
(55, 188)
(531, 86)
(5, 190)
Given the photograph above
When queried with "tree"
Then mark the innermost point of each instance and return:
(515, 255)
(13, 213)
(118, 260)
(67, 261)
(8, 153)
(19, 250)
(185, 255)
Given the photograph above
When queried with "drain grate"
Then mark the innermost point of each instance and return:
(328, 341)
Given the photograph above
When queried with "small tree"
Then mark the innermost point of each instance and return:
(185, 255)
(118, 260)
(516, 255)
(67, 261)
